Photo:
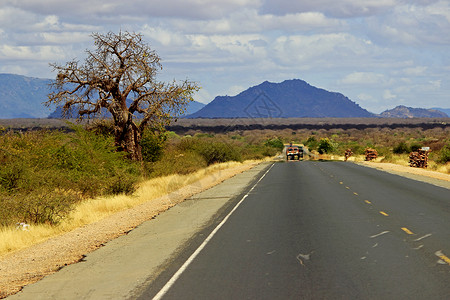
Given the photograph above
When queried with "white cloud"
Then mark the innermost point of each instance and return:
(363, 78)
(342, 8)
(414, 25)
(388, 95)
(415, 71)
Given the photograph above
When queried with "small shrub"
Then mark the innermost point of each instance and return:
(415, 147)
(325, 146)
(401, 148)
(175, 161)
(10, 176)
(444, 154)
(276, 143)
(312, 143)
(121, 185)
(152, 144)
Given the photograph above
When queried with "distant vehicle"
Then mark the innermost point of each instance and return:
(294, 152)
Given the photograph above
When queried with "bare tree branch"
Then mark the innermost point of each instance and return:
(120, 76)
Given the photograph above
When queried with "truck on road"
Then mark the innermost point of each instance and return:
(294, 152)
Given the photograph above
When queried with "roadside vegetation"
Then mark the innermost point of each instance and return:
(45, 174)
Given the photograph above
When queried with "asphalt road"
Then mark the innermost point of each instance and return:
(321, 230)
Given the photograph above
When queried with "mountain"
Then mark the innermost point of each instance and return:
(22, 97)
(289, 99)
(193, 107)
(445, 110)
(404, 112)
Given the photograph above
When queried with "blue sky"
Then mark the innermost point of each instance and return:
(379, 53)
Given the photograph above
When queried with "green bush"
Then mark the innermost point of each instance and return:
(401, 148)
(175, 161)
(152, 144)
(325, 146)
(415, 147)
(276, 143)
(444, 154)
(312, 143)
(44, 173)
(212, 150)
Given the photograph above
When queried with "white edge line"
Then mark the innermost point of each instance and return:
(178, 273)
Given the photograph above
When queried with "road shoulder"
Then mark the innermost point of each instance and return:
(424, 175)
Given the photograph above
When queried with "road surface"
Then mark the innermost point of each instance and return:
(323, 230)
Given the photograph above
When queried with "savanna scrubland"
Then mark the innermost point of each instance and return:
(48, 172)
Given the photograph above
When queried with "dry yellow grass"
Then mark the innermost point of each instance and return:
(93, 210)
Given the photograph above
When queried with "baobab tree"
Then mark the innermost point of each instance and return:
(120, 76)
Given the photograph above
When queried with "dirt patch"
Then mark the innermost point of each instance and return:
(32, 264)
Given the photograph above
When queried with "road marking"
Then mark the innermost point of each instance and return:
(356, 194)
(377, 235)
(347, 187)
(340, 182)
(407, 230)
(423, 237)
(367, 201)
(442, 256)
(384, 214)
(180, 271)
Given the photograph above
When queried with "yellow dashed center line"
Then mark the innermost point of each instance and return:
(356, 194)
(407, 230)
(347, 187)
(443, 257)
(384, 214)
(367, 201)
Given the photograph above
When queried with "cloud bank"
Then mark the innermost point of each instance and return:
(376, 52)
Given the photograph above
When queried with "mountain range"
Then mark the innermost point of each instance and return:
(22, 97)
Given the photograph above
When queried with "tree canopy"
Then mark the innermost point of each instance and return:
(119, 76)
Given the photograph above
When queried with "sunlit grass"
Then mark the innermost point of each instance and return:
(93, 210)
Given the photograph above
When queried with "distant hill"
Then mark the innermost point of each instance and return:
(405, 112)
(22, 97)
(445, 110)
(288, 99)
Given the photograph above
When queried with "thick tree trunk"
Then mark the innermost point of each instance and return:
(127, 139)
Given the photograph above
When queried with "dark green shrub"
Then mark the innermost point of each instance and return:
(415, 146)
(175, 161)
(121, 185)
(312, 143)
(444, 154)
(217, 152)
(40, 207)
(276, 143)
(152, 144)
(10, 176)
(401, 148)
(211, 150)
